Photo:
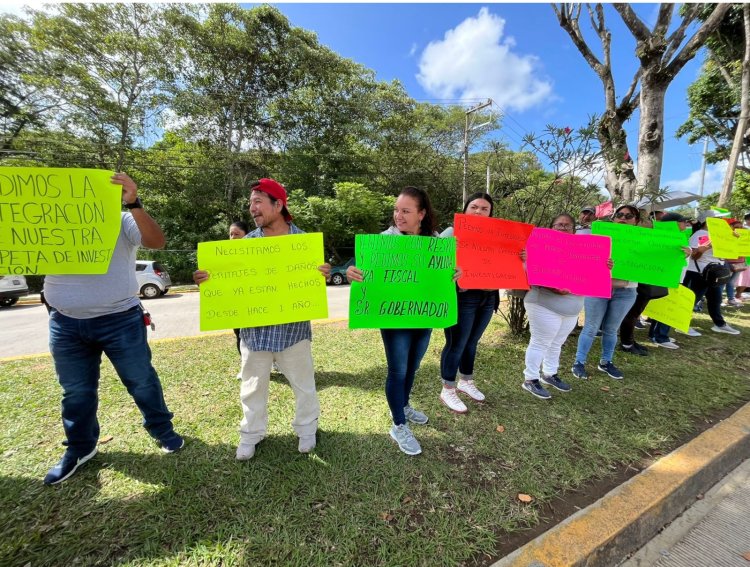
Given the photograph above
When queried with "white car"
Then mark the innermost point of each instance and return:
(153, 279)
(11, 288)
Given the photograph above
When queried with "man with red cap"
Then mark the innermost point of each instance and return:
(287, 345)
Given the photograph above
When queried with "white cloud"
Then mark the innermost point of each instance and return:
(475, 61)
(413, 50)
(692, 183)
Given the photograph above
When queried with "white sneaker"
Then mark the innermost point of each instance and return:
(468, 388)
(691, 332)
(450, 398)
(725, 329)
(306, 443)
(669, 345)
(245, 451)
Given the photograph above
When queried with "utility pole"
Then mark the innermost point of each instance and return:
(703, 164)
(466, 143)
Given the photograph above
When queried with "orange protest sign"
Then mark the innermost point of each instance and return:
(488, 251)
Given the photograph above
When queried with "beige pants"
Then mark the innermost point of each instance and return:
(297, 365)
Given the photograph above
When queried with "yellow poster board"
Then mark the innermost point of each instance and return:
(57, 220)
(743, 243)
(256, 282)
(723, 242)
(675, 310)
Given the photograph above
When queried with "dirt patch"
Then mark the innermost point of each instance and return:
(568, 503)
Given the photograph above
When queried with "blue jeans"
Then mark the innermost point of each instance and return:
(607, 314)
(77, 346)
(404, 349)
(475, 309)
(659, 332)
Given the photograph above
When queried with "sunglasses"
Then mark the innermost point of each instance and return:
(626, 216)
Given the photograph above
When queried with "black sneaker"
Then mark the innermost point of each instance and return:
(172, 444)
(640, 324)
(536, 389)
(579, 371)
(555, 382)
(635, 348)
(67, 466)
(611, 370)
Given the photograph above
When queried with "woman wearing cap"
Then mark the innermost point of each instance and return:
(607, 314)
(701, 257)
(404, 348)
(475, 309)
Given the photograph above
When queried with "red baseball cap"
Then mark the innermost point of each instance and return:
(274, 189)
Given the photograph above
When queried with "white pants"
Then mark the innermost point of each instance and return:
(297, 365)
(548, 333)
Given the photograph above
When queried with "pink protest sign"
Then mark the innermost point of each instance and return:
(576, 262)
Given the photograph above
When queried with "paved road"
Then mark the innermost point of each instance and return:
(23, 328)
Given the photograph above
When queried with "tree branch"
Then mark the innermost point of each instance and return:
(698, 39)
(633, 22)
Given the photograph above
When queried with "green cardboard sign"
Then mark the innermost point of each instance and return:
(645, 255)
(256, 282)
(408, 283)
(57, 221)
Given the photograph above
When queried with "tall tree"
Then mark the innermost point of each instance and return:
(743, 124)
(662, 54)
(108, 59)
(24, 105)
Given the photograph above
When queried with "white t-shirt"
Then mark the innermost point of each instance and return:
(706, 258)
(89, 296)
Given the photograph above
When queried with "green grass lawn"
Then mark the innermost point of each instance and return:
(356, 500)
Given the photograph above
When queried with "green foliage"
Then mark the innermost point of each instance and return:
(714, 98)
(739, 201)
(353, 210)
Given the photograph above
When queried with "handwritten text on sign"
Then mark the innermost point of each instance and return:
(645, 255)
(407, 283)
(675, 310)
(57, 221)
(576, 262)
(262, 281)
(489, 252)
(723, 241)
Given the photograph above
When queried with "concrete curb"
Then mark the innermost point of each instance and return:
(624, 520)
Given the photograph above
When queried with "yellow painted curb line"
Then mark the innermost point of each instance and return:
(621, 522)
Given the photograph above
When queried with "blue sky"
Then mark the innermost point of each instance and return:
(516, 54)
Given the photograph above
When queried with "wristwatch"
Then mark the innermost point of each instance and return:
(134, 205)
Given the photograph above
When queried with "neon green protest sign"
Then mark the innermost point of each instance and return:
(262, 281)
(645, 255)
(57, 221)
(407, 283)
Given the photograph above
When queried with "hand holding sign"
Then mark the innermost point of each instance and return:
(57, 221)
(489, 252)
(402, 282)
(254, 282)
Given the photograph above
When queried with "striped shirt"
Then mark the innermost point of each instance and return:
(275, 338)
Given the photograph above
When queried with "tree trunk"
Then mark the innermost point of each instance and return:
(618, 167)
(651, 133)
(742, 124)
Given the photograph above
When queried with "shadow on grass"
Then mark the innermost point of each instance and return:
(201, 503)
